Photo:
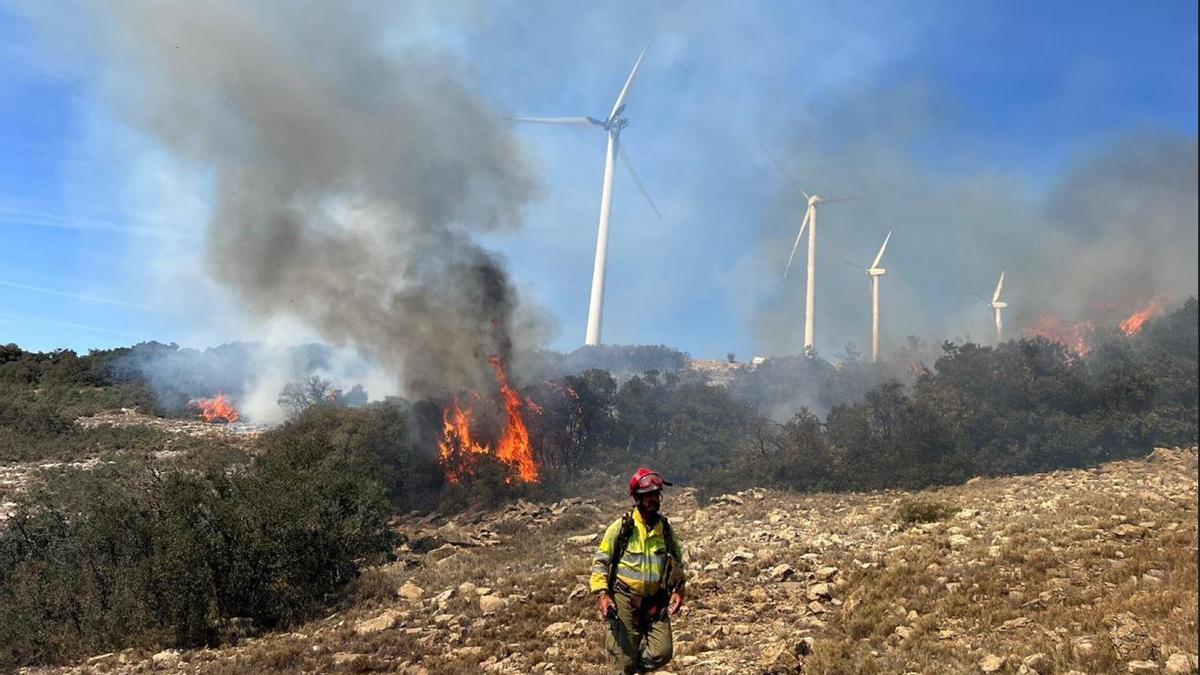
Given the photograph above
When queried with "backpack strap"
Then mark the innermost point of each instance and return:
(619, 546)
(671, 583)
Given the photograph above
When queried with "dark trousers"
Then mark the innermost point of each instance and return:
(638, 643)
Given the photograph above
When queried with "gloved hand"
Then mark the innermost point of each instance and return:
(675, 603)
(608, 608)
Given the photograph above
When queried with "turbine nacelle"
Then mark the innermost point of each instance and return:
(999, 305)
(876, 272)
(814, 200)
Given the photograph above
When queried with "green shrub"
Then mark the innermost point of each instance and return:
(913, 511)
(127, 556)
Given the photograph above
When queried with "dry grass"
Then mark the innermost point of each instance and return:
(1043, 553)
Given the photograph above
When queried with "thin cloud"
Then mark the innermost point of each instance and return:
(69, 324)
(17, 217)
(83, 298)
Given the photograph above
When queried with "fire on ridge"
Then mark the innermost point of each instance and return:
(1077, 335)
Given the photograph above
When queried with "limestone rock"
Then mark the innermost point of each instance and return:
(991, 663)
(411, 591)
(167, 658)
(1181, 664)
(490, 604)
(1038, 663)
(1083, 648)
(958, 541)
(826, 573)
(383, 622)
(1141, 667)
(1128, 635)
(820, 591)
(781, 572)
(736, 557)
(780, 658)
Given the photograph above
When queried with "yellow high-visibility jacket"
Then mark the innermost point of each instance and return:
(642, 565)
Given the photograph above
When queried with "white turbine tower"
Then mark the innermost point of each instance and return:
(810, 221)
(996, 306)
(613, 124)
(873, 274)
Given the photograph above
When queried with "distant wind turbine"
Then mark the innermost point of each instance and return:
(613, 124)
(996, 306)
(873, 274)
(809, 221)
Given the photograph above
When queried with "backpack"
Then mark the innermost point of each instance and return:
(622, 542)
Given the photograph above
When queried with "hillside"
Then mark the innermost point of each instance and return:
(1084, 570)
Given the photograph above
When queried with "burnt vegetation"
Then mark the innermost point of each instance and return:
(138, 553)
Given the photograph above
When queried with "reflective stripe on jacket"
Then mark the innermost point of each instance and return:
(645, 558)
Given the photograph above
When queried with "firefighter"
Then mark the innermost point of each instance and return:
(638, 578)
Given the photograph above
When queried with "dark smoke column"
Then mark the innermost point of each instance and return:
(348, 181)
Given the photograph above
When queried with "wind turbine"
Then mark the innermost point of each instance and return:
(810, 221)
(996, 306)
(873, 274)
(612, 124)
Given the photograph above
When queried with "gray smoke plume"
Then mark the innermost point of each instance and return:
(1114, 230)
(348, 176)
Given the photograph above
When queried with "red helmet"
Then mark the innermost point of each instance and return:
(645, 480)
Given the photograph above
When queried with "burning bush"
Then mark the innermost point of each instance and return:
(459, 448)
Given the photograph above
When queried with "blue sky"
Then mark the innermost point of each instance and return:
(103, 232)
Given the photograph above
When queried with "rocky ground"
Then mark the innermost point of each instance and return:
(1085, 571)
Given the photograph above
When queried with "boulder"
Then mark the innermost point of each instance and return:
(411, 591)
(490, 604)
(1083, 648)
(991, 663)
(383, 622)
(820, 591)
(1038, 663)
(167, 658)
(826, 573)
(1128, 635)
(736, 557)
(1181, 664)
(1141, 667)
(779, 657)
(781, 572)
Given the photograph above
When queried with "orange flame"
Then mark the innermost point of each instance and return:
(1134, 323)
(1074, 336)
(514, 449)
(218, 409)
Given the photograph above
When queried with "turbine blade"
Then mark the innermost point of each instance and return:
(982, 299)
(854, 265)
(799, 235)
(628, 83)
(623, 153)
(879, 256)
(999, 285)
(841, 199)
(784, 172)
(566, 121)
